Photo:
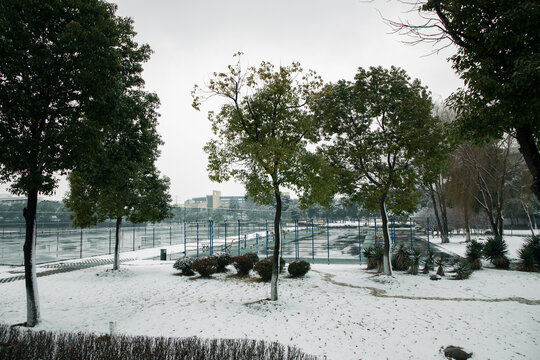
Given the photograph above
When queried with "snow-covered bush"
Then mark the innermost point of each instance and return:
(253, 256)
(264, 269)
(440, 262)
(368, 254)
(462, 270)
(400, 259)
(223, 259)
(184, 265)
(474, 254)
(529, 254)
(495, 250)
(243, 264)
(378, 256)
(205, 266)
(298, 268)
(414, 259)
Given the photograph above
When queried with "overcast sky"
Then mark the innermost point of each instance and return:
(192, 39)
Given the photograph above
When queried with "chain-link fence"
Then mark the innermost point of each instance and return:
(314, 240)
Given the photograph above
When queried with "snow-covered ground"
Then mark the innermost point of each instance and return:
(458, 246)
(340, 311)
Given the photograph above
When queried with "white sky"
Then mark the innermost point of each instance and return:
(192, 39)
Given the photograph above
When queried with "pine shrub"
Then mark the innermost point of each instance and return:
(414, 259)
(529, 254)
(243, 264)
(400, 260)
(440, 262)
(184, 265)
(223, 259)
(495, 251)
(298, 268)
(473, 254)
(378, 256)
(369, 255)
(206, 266)
(429, 261)
(462, 270)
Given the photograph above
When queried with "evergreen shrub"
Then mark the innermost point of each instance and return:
(495, 250)
(184, 265)
(243, 264)
(223, 259)
(205, 266)
(473, 254)
(298, 268)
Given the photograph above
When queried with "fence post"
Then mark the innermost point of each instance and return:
(170, 234)
(153, 235)
(110, 238)
(57, 240)
(410, 225)
(81, 243)
(197, 238)
(211, 234)
(328, 238)
(295, 239)
(134, 238)
(185, 239)
(428, 232)
(312, 242)
(282, 238)
(225, 224)
(266, 238)
(239, 240)
(359, 244)
(375, 233)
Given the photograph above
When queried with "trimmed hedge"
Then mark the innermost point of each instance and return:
(223, 259)
(243, 264)
(264, 268)
(185, 265)
(205, 266)
(253, 256)
(298, 268)
(22, 344)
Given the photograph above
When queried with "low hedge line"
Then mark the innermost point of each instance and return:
(22, 344)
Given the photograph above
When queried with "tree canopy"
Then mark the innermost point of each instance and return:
(63, 65)
(381, 135)
(498, 44)
(262, 133)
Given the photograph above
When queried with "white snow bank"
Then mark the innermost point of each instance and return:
(330, 312)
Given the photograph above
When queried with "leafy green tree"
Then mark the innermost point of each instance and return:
(498, 44)
(261, 136)
(62, 65)
(120, 179)
(382, 134)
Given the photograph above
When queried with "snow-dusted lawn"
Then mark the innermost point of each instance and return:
(458, 246)
(332, 311)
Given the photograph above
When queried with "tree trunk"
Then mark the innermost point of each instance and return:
(467, 225)
(387, 265)
(116, 264)
(529, 150)
(444, 216)
(275, 258)
(32, 296)
(527, 211)
(435, 208)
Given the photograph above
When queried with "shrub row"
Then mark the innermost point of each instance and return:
(23, 344)
(208, 265)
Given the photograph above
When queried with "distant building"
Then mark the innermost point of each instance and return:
(7, 198)
(214, 201)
